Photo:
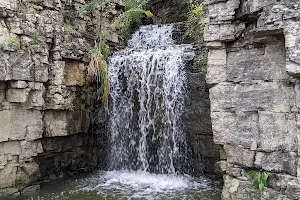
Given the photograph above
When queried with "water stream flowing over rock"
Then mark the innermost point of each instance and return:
(147, 85)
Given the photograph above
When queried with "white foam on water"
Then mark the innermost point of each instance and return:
(140, 184)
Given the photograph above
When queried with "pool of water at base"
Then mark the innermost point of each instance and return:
(129, 185)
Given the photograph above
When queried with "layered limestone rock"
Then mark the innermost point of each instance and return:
(45, 102)
(253, 67)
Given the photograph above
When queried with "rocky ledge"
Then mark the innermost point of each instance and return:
(46, 105)
(253, 67)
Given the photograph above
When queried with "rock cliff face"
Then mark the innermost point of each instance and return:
(254, 66)
(169, 11)
(45, 102)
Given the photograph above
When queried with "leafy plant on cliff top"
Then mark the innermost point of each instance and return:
(259, 179)
(195, 22)
(195, 29)
(133, 17)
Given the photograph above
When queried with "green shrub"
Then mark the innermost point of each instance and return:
(195, 29)
(132, 18)
(259, 179)
(195, 22)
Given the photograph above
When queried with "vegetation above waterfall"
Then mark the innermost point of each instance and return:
(98, 67)
(195, 29)
(132, 18)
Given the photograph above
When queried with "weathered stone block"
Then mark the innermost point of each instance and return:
(278, 131)
(9, 4)
(257, 64)
(57, 72)
(279, 182)
(56, 123)
(270, 96)
(235, 189)
(216, 66)
(21, 67)
(29, 125)
(3, 161)
(4, 67)
(74, 73)
(27, 173)
(11, 147)
(36, 98)
(5, 125)
(277, 162)
(16, 66)
(17, 95)
(293, 189)
(293, 69)
(61, 123)
(30, 149)
(18, 84)
(8, 176)
(41, 73)
(235, 128)
(4, 31)
(36, 86)
(241, 156)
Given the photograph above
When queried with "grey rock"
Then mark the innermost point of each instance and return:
(277, 162)
(18, 84)
(17, 95)
(241, 156)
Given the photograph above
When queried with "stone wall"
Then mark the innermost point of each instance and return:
(253, 67)
(45, 101)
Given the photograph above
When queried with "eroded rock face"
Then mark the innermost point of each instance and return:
(45, 103)
(169, 11)
(254, 68)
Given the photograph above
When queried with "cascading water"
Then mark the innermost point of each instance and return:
(148, 146)
(147, 85)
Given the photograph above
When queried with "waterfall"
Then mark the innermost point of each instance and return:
(147, 87)
(148, 147)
